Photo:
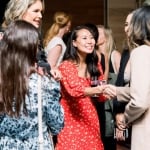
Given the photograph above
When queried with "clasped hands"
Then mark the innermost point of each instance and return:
(109, 91)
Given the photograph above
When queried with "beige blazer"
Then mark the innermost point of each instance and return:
(137, 110)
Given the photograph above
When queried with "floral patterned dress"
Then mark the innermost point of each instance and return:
(22, 133)
(81, 130)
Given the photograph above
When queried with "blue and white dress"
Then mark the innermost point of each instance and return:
(22, 133)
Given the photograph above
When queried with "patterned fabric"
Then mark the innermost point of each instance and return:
(22, 133)
(81, 130)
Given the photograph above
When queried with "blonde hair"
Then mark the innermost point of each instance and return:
(110, 42)
(15, 10)
(60, 20)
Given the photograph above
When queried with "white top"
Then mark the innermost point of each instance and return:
(54, 42)
(127, 72)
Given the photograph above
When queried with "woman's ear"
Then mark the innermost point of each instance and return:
(74, 43)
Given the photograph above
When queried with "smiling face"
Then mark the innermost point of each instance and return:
(84, 42)
(34, 14)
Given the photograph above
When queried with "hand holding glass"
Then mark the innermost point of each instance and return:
(95, 82)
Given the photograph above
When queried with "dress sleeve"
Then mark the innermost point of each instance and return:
(54, 113)
(71, 82)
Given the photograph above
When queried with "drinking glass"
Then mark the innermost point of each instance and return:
(94, 83)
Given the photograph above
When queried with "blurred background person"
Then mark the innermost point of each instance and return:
(110, 60)
(53, 42)
(106, 46)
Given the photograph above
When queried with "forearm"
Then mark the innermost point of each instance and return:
(123, 94)
(90, 91)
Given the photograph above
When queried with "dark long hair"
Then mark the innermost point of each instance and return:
(71, 53)
(18, 50)
(139, 31)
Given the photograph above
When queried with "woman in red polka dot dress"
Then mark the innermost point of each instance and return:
(80, 64)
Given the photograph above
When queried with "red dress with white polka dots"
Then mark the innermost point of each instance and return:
(81, 130)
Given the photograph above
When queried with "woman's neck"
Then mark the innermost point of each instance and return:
(60, 33)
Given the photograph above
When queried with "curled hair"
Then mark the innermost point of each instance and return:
(139, 30)
(15, 10)
(18, 50)
(72, 54)
(60, 20)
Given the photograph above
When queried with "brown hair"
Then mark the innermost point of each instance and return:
(18, 49)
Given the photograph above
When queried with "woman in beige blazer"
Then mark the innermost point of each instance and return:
(137, 111)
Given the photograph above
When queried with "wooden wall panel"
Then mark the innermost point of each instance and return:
(82, 11)
(118, 10)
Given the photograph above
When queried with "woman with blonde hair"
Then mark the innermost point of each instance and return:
(21, 9)
(110, 60)
(30, 11)
(106, 45)
(53, 42)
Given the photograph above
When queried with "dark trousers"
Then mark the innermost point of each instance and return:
(109, 143)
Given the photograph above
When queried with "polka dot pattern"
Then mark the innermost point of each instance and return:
(81, 130)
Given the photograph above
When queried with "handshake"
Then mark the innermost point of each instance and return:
(109, 91)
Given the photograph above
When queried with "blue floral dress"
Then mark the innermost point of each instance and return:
(22, 133)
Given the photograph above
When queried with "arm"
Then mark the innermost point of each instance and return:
(140, 84)
(117, 58)
(123, 94)
(53, 55)
(106, 67)
(54, 115)
(73, 84)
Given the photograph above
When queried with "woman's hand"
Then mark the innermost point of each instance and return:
(120, 120)
(56, 74)
(110, 91)
(119, 135)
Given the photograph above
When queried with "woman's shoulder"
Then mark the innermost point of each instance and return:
(48, 83)
(66, 63)
(68, 66)
(142, 50)
(57, 39)
(116, 53)
(53, 42)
